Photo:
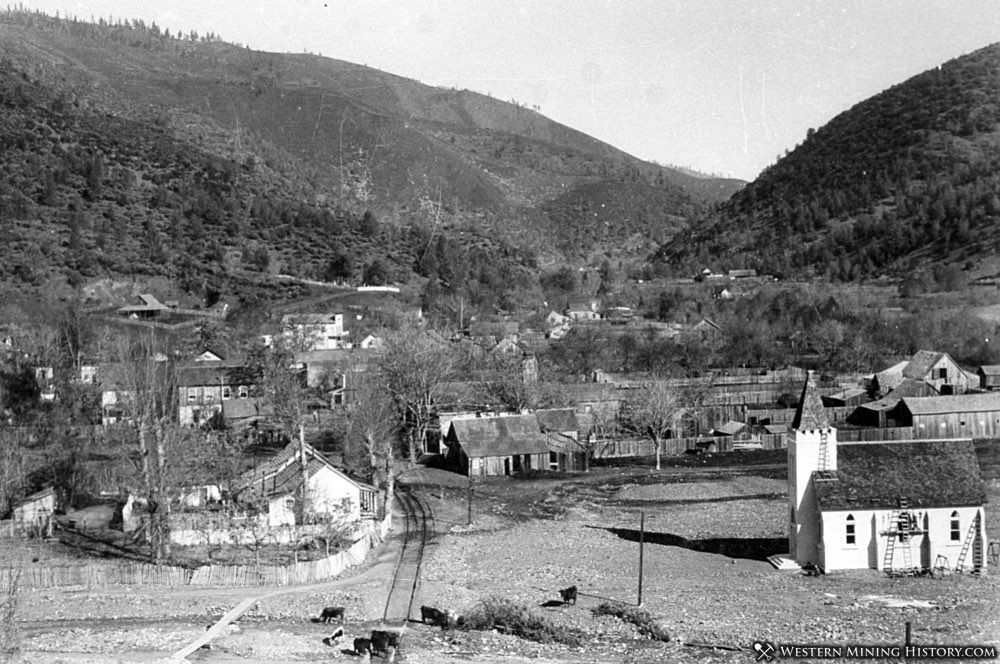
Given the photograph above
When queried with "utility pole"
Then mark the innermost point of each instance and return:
(642, 538)
(468, 517)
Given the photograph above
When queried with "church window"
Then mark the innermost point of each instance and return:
(956, 529)
(849, 530)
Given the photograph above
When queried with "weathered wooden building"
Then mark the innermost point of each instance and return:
(956, 416)
(561, 428)
(936, 369)
(496, 445)
(989, 377)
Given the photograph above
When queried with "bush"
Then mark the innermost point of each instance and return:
(510, 617)
(644, 620)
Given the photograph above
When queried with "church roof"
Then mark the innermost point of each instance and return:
(928, 473)
(810, 413)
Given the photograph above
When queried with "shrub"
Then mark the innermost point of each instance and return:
(510, 617)
(644, 620)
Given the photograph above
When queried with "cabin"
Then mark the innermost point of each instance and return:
(496, 445)
(583, 309)
(901, 506)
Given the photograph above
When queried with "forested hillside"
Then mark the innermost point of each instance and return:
(906, 180)
(127, 150)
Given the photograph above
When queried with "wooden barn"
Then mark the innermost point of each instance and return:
(957, 416)
(936, 369)
(561, 428)
(496, 445)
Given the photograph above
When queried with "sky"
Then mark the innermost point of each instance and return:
(724, 87)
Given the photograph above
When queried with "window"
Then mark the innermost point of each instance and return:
(192, 394)
(849, 530)
(243, 392)
(943, 373)
(956, 527)
(227, 392)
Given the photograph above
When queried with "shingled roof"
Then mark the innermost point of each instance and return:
(810, 413)
(929, 473)
(499, 436)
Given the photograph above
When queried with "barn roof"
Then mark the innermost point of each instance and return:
(810, 413)
(959, 403)
(928, 473)
(499, 436)
(921, 363)
(557, 419)
(913, 387)
(990, 369)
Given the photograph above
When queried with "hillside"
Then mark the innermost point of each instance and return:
(141, 152)
(907, 179)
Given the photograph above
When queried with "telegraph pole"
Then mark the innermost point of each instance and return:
(642, 537)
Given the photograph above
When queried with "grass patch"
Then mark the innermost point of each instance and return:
(510, 617)
(648, 625)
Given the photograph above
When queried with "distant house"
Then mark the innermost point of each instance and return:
(561, 427)
(934, 368)
(742, 274)
(331, 492)
(900, 507)
(583, 309)
(989, 377)
(34, 515)
(203, 386)
(496, 445)
(146, 306)
(315, 331)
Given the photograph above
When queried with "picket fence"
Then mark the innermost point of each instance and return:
(99, 576)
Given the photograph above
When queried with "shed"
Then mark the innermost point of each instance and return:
(730, 428)
(849, 398)
(562, 430)
(952, 416)
(33, 515)
(989, 376)
(496, 445)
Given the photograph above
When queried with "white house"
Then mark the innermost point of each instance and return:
(330, 491)
(898, 506)
(317, 331)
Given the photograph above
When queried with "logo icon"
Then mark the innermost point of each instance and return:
(765, 651)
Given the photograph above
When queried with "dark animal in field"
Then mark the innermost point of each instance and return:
(812, 569)
(380, 641)
(568, 595)
(362, 646)
(337, 636)
(429, 614)
(332, 613)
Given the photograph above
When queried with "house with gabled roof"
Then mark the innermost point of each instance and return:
(936, 369)
(145, 306)
(496, 445)
(278, 483)
(900, 506)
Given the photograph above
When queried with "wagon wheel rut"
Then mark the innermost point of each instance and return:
(418, 530)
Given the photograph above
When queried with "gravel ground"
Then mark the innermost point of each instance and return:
(703, 577)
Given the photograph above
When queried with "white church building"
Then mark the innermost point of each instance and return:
(899, 506)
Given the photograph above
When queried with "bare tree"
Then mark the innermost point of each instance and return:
(514, 382)
(374, 433)
(653, 411)
(412, 365)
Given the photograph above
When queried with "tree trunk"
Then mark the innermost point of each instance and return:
(303, 507)
(657, 440)
(163, 499)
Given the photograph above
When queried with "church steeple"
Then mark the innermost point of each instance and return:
(810, 413)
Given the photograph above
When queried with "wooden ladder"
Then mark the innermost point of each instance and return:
(941, 566)
(823, 451)
(899, 527)
(970, 537)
